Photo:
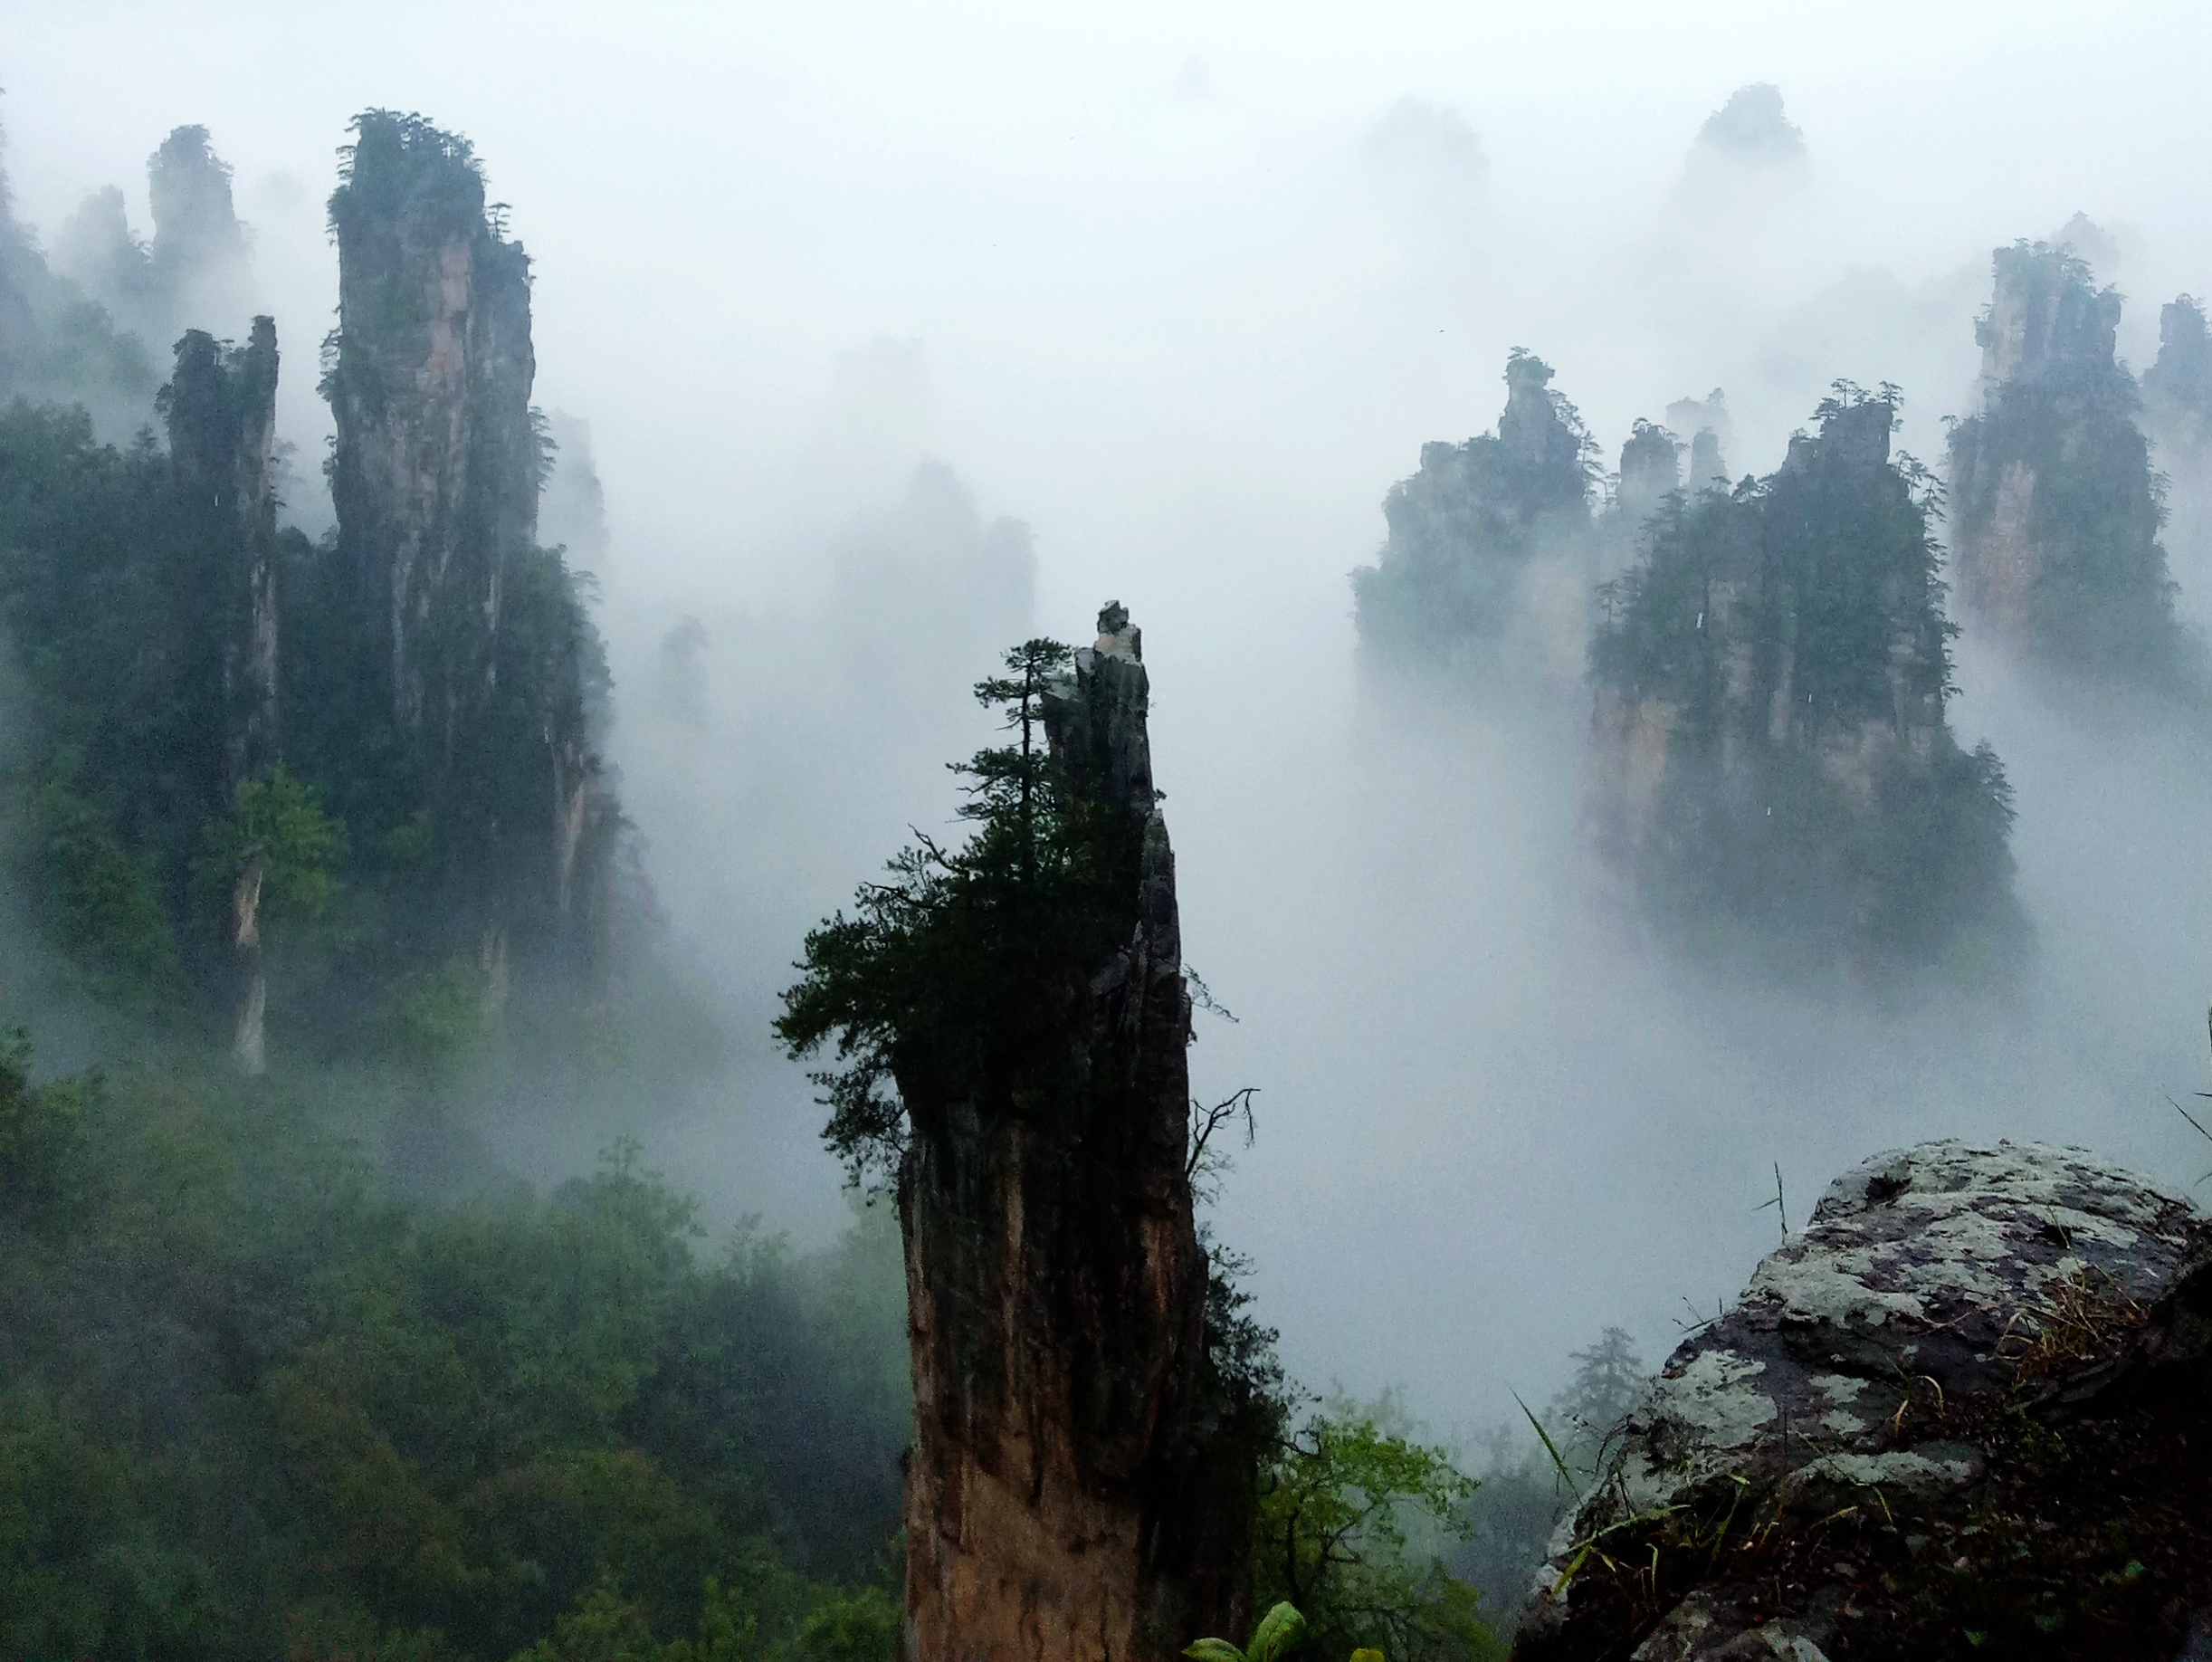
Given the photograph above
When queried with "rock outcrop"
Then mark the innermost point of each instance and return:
(1465, 529)
(2178, 386)
(488, 668)
(2055, 514)
(1065, 1497)
(1961, 1413)
(1773, 766)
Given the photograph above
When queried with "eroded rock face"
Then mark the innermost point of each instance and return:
(2055, 516)
(1966, 1386)
(1062, 1499)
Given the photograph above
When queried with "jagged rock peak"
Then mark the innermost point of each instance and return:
(1854, 436)
(1540, 430)
(1967, 1395)
(195, 225)
(1116, 634)
(1769, 731)
(2054, 511)
(2046, 320)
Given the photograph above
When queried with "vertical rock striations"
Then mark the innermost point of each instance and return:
(2055, 513)
(1064, 1498)
(220, 408)
(1775, 771)
(488, 668)
(434, 473)
(1465, 529)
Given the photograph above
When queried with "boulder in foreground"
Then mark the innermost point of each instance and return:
(1964, 1412)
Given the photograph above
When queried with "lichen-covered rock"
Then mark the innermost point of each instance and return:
(1958, 1408)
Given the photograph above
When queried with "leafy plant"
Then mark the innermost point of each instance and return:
(1278, 1637)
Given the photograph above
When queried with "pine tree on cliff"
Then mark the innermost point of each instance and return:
(2054, 511)
(1009, 1018)
(1775, 772)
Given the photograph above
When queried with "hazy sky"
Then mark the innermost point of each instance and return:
(1159, 282)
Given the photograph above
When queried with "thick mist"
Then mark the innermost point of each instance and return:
(893, 340)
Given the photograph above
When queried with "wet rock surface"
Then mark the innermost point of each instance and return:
(1964, 1409)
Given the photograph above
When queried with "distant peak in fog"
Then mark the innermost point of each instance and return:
(1414, 135)
(1752, 127)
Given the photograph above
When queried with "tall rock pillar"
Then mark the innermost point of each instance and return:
(2054, 511)
(1059, 1500)
(220, 407)
(434, 475)
(473, 635)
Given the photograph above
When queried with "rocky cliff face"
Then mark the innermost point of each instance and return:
(484, 659)
(434, 473)
(1961, 1413)
(1771, 753)
(1465, 529)
(1064, 1497)
(2055, 516)
(220, 407)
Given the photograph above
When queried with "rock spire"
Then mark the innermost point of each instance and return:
(1064, 1498)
